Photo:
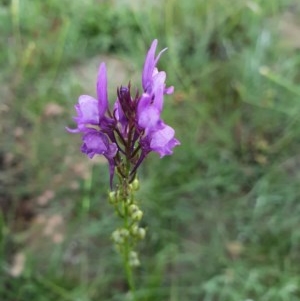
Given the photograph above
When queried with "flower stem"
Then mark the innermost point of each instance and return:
(127, 236)
(127, 245)
(126, 258)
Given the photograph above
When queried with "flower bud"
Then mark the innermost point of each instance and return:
(135, 230)
(112, 197)
(133, 259)
(133, 208)
(118, 196)
(138, 232)
(116, 237)
(135, 184)
(124, 232)
(119, 235)
(134, 263)
(137, 215)
(141, 233)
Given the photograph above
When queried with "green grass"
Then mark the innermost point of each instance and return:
(222, 213)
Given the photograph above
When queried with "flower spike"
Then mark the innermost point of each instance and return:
(134, 128)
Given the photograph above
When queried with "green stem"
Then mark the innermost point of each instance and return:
(127, 247)
(128, 268)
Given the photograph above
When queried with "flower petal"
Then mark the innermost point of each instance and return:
(152, 79)
(87, 110)
(148, 114)
(149, 65)
(158, 87)
(95, 142)
(163, 141)
(169, 90)
(102, 90)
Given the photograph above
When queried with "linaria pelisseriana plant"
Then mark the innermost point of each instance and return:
(125, 135)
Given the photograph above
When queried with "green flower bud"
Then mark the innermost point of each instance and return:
(137, 215)
(133, 259)
(134, 263)
(133, 208)
(124, 232)
(133, 255)
(112, 197)
(119, 235)
(116, 237)
(141, 233)
(119, 195)
(135, 230)
(135, 185)
(138, 232)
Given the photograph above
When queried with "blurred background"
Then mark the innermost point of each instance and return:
(223, 213)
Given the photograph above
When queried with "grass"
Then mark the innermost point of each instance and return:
(222, 213)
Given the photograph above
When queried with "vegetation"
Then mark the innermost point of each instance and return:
(222, 213)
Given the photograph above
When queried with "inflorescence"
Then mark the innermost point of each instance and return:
(133, 128)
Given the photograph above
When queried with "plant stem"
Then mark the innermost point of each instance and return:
(127, 246)
(128, 267)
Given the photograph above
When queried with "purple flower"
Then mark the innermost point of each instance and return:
(94, 124)
(134, 128)
(158, 136)
(95, 142)
(148, 113)
(161, 140)
(91, 111)
(150, 72)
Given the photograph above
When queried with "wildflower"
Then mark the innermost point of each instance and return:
(95, 126)
(125, 136)
(161, 141)
(158, 137)
(134, 128)
(90, 111)
(150, 75)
